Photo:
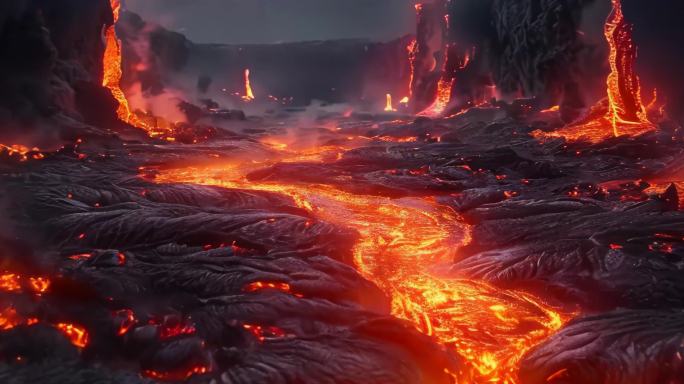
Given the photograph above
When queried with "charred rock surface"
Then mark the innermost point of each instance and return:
(622, 346)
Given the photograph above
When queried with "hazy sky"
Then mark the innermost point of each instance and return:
(269, 21)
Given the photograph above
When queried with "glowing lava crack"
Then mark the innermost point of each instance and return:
(401, 241)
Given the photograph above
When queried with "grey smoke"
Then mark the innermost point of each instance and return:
(271, 21)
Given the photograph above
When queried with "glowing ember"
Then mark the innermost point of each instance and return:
(21, 152)
(128, 320)
(260, 286)
(264, 333)
(555, 108)
(9, 282)
(625, 112)
(388, 103)
(121, 258)
(249, 94)
(39, 284)
(400, 241)
(560, 374)
(177, 375)
(9, 319)
(171, 329)
(77, 335)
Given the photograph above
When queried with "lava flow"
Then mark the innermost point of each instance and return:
(625, 113)
(401, 242)
(113, 73)
(388, 103)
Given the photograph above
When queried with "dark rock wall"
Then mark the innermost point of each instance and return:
(658, 34)
(528, 48)
(51, 62)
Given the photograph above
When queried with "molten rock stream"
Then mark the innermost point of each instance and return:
(401, 242)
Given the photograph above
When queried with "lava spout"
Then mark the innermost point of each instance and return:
(388, 103)
(113, 73)
(249, 94)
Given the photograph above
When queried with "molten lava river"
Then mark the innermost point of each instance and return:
(401, 242)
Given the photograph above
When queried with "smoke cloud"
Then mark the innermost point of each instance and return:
(271, 21)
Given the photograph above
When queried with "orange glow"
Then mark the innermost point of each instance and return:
(260, 286)
(9, 319)
(624, 90)
(77, 335)
(557, 375)
(177, 375)
(9, 282)
(410, 139)
(400, 241)
(116, 9)
(440, 104)
(21, 152)
(412, 49)
(466, 58)
(388, 103)
(555, 108)
(81, 256)
(39, 284)
(264, 333)
(12, 282)
(128, 320)
(168, 331)
(121, 258)
(625, 113)
(249, 94)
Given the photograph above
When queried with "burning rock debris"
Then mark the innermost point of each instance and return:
(486, 228)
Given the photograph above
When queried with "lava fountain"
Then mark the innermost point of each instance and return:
(401, 242)
(249, 94)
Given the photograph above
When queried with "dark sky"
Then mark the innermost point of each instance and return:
(270, 21)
